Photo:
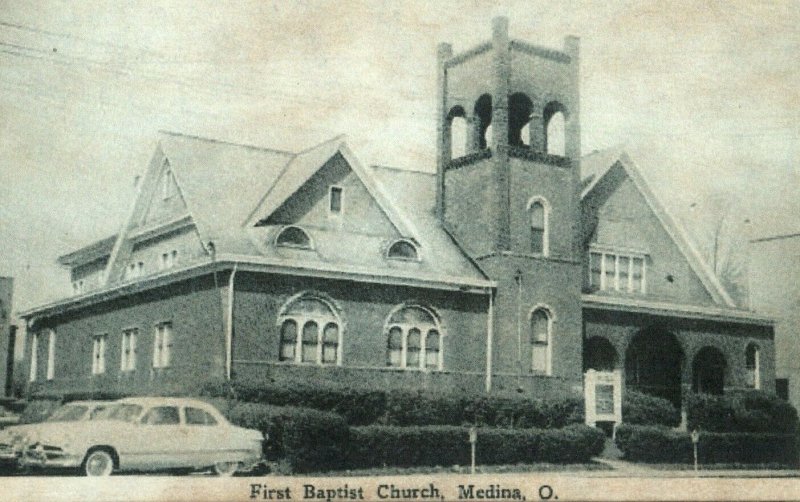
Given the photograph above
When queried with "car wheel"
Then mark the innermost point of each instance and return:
(226, 469)
(98, 463)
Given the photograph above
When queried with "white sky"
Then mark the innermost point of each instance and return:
(705, 93)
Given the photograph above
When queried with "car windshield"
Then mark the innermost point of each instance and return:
(124, 412)
(69, 413)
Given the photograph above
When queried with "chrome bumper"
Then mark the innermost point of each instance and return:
(48, 457)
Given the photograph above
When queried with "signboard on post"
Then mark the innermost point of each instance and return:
(603, 397)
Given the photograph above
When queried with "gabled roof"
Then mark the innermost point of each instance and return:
(594, 168)
(303, 166)
(94, 251)
(221, 182)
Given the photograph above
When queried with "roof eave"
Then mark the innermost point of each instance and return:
(255, 264)
(668, 309)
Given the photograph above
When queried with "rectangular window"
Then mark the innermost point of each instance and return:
(34, 369)
(169, 259)
(99, 354)
(610, 271)
(595, 269)
(162, 345)
(337, 194)
(128, 356)
(51, 355)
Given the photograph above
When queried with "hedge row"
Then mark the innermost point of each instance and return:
(657, 444)
(378, 445)
(308, 440)
(753, 411)
(643, 409)
(364, 406)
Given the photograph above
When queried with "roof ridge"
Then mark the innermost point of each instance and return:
(619, 147)
(224, 142)
(402, 169)
(339, 137)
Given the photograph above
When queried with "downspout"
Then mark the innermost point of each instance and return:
(229, 326)
(489, 341)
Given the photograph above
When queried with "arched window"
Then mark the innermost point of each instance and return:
(753, 365)
(520, 108)
(403, 250)
(539, 214)
(555, 129)
(310, 331)
(541, 331)
(483, 112)
(413, 339)
(294, 237)
(457, 120)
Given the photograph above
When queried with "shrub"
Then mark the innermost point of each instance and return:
(508, 411)
(308, 440)
(357, 406)
(365, 406)
(379, 445)
(38, 410)
(644, 409)
(644, 443)
(660, 444)
(752, 411)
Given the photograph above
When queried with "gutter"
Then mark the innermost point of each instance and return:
(229, 326)
(222, 262)
(489, 341)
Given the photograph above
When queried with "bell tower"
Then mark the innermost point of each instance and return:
(508, 188)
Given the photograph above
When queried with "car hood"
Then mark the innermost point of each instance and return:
(59, 432)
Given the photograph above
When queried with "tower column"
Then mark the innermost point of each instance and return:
(536, 131)
(501, 62)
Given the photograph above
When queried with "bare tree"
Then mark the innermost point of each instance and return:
(720, 228)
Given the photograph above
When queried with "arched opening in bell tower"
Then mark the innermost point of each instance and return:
(555, 132)
(457, 123)
(520, 108)
(483, 113)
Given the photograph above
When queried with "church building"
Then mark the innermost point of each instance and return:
(516, 265)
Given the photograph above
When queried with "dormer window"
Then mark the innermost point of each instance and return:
(336, 200)
(169, 259)
(403, 250)
(294, 237)
(135, 269)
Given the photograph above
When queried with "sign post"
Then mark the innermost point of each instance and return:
(473, 439)
(695, 440)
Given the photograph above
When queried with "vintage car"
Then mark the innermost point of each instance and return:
(146, 434)
(12, 439)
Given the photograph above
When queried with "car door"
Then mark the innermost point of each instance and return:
(161, 442)
(206, 437)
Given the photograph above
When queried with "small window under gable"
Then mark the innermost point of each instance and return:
(335, 206)
(403, 250)
(294, 237)
(168, 186)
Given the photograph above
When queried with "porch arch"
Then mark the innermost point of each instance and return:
(653, 364)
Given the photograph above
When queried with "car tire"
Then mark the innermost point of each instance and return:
(98, 463)
(226, 469)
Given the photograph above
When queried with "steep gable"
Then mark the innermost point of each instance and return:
(307, 164)
(355, 210)
(165, 200)
(620, 211)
